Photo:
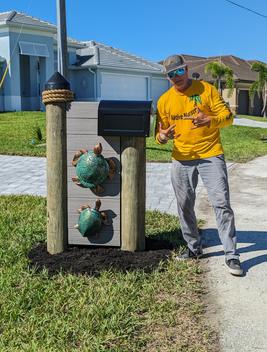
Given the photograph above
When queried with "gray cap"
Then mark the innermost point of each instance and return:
(173, 62)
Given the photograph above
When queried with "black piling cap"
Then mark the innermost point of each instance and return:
(57, 81)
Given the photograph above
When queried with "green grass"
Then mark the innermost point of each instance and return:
(133, 311)
(254, 118)
(17, 131)
(240, 144)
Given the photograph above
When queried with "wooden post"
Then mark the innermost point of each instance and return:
(133, 163)
(56, 96)
(57, 229)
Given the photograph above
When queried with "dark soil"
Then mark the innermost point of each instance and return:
(92, 260)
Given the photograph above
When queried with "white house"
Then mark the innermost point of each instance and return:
(28, 52)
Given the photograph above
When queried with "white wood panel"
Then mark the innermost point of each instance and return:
(85, 141)
(84, 110)
(111, 189)
(82, 120)
(82, 126)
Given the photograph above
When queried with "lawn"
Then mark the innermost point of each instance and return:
(132, 311)
(18, 130)
(18, 133)
(240, 144)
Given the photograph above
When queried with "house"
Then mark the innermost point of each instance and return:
(103, 72)
(239, 101)
(28, 49)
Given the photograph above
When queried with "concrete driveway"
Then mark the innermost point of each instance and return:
(238, 305)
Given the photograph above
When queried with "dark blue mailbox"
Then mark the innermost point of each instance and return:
(124, 118)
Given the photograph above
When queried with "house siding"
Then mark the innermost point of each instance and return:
(5, 53)
(15, 95)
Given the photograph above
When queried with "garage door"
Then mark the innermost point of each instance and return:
(123, 87)
(158, 87)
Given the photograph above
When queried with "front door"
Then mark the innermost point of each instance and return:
(243, 102)
(32, 79)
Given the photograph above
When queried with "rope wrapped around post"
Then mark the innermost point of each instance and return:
(57, 96)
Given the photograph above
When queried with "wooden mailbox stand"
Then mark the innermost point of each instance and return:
(124, 196)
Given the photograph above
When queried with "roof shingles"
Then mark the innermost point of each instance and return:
(241, 68)
(112, 57)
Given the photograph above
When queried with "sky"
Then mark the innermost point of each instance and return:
(155, 29)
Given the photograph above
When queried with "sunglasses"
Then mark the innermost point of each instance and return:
(178, 72)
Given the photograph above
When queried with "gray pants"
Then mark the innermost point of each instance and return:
(213, 172)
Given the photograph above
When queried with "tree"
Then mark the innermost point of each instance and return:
(219, 71)
(260, 86)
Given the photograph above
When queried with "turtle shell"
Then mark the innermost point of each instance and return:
(92, 169)
(89, 222)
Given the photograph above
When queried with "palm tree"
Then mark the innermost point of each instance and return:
(260, 86)
(219, 71)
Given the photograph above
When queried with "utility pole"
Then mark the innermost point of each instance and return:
(62, 52)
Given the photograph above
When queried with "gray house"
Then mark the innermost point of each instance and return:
(28, 52)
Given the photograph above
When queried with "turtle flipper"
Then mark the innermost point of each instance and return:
(112, 168)
(77, 156)
(97, 204)
(76, 180)
(87, 206)
(104, 218)
(98, 189)
(98, 149)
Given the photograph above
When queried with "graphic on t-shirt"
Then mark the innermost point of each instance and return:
(186, 115)
(196, 99)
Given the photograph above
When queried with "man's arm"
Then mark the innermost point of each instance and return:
(222, 114)
(162, 125)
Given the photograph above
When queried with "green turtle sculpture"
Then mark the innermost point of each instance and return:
(92, 169)
(91, 220)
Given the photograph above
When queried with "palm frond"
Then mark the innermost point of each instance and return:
(254, 88)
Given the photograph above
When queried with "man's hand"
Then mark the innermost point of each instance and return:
(166, 134)
(201, 120)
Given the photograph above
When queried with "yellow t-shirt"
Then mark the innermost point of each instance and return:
(173, 108)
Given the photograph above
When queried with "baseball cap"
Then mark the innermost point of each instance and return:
(173, 62)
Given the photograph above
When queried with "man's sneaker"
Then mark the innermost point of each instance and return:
(188, 254)
(234, 267)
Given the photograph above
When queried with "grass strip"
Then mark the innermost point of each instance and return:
(240, 144)
(132, 311)
(20, 135)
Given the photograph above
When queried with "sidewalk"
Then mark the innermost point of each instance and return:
(238, 306)
(249, 123)
(27, 175)
(22, 175)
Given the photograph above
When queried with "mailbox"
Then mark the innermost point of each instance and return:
(124, 118)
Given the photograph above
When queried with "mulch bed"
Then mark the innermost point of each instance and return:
(92, 260)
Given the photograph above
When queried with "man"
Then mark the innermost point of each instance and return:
(192, 112)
